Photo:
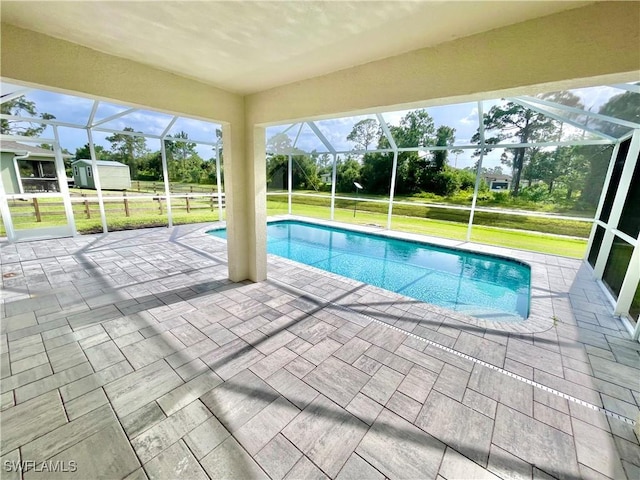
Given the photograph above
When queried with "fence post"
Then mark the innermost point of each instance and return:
(160, 204)
(212, 202)
(138, 186)
(188, 206)
(36, 207)
(126, 204)
(86, 207)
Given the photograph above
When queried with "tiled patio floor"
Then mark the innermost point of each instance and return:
(131, 355)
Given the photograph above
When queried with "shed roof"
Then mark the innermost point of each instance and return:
(100, 163)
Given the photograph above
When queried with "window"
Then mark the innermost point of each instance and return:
(595, 246)
(75, 171)
(48, 169)
(615, 180)
(88, 171)
(617, 265)
(630, 218)
(635, 305)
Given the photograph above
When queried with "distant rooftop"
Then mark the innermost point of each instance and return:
(104, 163)
(8, 146)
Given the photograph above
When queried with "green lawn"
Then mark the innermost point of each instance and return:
(146, 213)
(558, 245)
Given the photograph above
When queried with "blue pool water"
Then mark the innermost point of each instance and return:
(480, 285)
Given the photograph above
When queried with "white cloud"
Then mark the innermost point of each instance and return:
(471, 119)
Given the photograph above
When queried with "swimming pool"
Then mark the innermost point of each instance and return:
(484, 286)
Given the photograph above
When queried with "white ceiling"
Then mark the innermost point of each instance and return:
(247, 46)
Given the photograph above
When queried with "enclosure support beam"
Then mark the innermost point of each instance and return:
(218, 182)
(478, 170)
(165, 170)
(394, 168)
(579, 111)
(561, 119)
(165, 177)
(392, 189)
(289, 182)
(62, 182)
(96, 179)
(333, 185)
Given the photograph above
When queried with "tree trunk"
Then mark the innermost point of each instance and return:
(518, 161)
(550, 186)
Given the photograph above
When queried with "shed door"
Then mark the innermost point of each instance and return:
(83, 176)
(43, 210)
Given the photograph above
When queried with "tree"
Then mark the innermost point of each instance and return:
(304, 172)
(128, 148)
(456, 152)
(22, 107)
(279, 144)
(416, 130)
(179, 149)
(347, 171)
(574, 166)
(85, 153)
(445, 136)
(543, 165)
(364, 133)
(512, 121)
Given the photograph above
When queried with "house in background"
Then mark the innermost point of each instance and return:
(113, 175)
(27, 168)
(498, 183)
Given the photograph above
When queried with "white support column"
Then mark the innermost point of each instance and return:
(219, 183)
(478, 170)
(62, 182)
(392, 188)
(165, 170)
(246, 201)
(333, 184)
(165, 178)
(290, 181)
(96, 179)
(394, 168)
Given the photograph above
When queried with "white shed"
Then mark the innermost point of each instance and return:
(113, 175)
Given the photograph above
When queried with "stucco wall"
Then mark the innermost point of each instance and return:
(593, 45)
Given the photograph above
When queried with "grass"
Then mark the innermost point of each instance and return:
(546, 224)
(558, 245)
(147, 214)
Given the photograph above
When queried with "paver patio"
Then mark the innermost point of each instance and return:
(130, 355)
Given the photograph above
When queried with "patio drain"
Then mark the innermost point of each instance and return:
(515, 376)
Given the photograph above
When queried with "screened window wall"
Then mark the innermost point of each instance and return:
(132, 168)
(614, 251)
(523, 172)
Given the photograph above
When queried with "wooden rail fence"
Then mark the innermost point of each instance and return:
(37, 209)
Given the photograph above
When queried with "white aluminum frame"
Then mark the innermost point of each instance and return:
(525, 101)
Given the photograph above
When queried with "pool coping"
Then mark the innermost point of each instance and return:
(541, 314)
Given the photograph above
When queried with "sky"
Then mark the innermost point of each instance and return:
(463, 117)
